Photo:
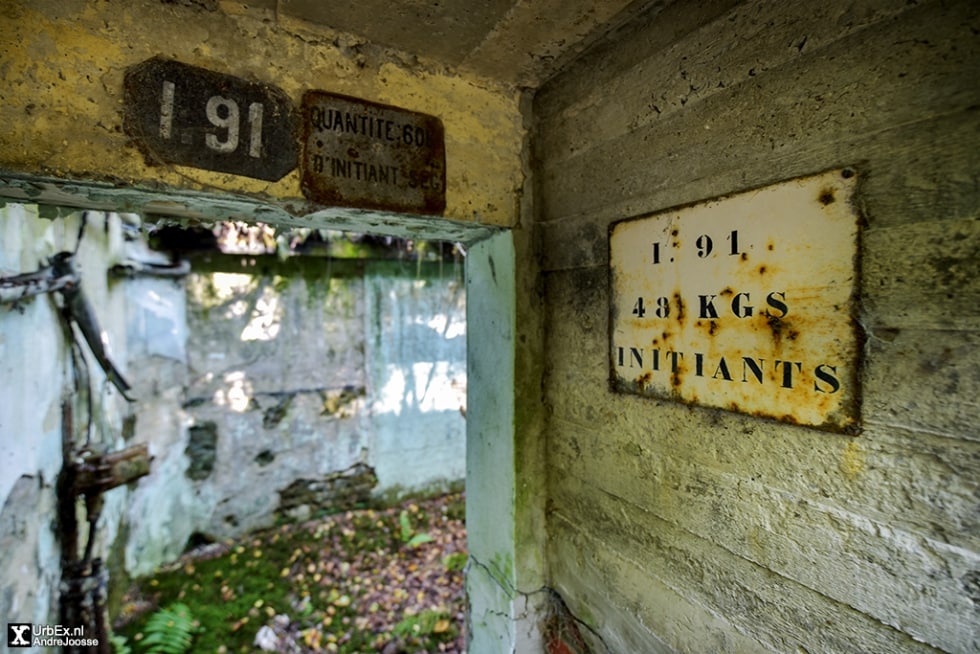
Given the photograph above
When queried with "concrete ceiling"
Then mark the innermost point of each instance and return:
(519, 42)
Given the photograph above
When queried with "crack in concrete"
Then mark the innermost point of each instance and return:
(554, 600)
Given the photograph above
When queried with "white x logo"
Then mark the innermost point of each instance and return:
(19, 630)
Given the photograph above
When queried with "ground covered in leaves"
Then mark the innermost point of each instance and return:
(387, 581)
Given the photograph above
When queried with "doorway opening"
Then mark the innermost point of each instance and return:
(260, 326)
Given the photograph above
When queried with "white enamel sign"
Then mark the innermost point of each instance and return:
(744, 303)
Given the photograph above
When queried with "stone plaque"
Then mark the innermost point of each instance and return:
(372, 156)
(744, 303)
(181, 114)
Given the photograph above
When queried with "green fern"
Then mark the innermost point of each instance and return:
(120, 644)
(170, 630)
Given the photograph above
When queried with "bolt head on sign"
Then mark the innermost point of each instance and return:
(371, 156)
(190, 116)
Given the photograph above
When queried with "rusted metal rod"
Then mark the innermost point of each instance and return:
(20, 287)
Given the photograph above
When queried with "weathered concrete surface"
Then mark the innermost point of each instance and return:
(504, 455)
(670, 528)
(63, 63)
(508, 40)
(416, 377)
(689, 529)
(36, 378)
(342, 364)
(31, 555)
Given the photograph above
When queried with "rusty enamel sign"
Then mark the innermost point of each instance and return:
(372, 156)
(744, 303)
(182, 114)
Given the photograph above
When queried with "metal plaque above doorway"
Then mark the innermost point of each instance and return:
(372, 156)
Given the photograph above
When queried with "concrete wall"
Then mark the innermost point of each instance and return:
(675, 528)
(415, 328)
(35, 380)
(308, 386)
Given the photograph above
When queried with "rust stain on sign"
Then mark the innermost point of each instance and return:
(372, 156)
(744, 303)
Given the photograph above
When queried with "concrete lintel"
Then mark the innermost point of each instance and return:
(200, 206)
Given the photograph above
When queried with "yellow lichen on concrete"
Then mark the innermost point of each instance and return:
(62, 101)
(484, 128)
(852, 463)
